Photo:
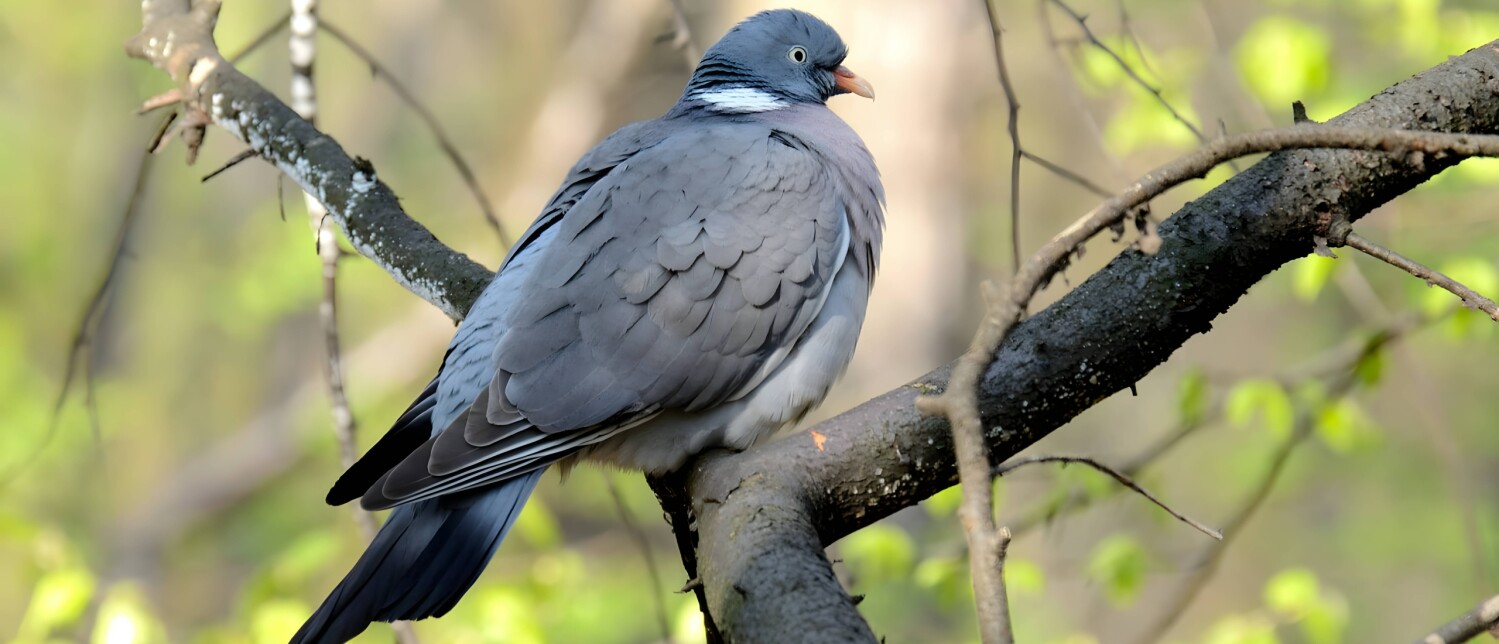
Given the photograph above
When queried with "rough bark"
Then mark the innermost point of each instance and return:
(181, 43)
(764, 516)
(754, 508)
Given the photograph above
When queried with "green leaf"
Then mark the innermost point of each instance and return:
(1296, 596)
(947, 579)
(537, 525)
(1192, 397)
(57, 601)
(1461, 30)
(1344, 427)
(1118, 566)
(1420, 31)
(1475, 273)
(1144, 123)
(125, 618)
(1024, 577)
(307, 556)
(1261, 398)
(1291, 593)
(879, 553)
(944, 503)
(1242, 629)
(1310, 275)
(1370, 368)
(275, 621)
(1284, 60)
(1326, 622)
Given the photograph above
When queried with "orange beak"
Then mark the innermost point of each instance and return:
(851, 83)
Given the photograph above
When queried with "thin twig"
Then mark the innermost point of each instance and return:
(681, 35)
(1483, 617)
(1082, 22)
(1121, 477)
(1470, 298)
(233, 161)
(1006, 632)
(80, 346)
(1003, 308)
(1306, 421)
(1208, 559)
(1069, 175)
(1054, 45)
(997, 32)
(262, 38)
(644, 544)
(1076, 500)
(1127, 34)
(303, 56)
(430, 120)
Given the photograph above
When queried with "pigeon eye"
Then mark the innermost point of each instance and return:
(797, 55)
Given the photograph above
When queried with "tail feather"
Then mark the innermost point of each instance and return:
(424, 559)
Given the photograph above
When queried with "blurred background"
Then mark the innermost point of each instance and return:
(1358, 478)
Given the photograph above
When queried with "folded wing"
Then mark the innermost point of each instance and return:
(675, 281)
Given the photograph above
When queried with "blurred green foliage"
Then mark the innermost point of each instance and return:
(209, 358)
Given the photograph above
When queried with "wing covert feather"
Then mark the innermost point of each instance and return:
(673, 280)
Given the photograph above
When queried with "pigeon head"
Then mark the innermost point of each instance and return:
(771, 60)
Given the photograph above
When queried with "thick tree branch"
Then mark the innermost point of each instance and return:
(1104, 336)
(763, 516)
(180, 42)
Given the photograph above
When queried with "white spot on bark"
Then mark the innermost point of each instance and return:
(202, 67)
(362, 183)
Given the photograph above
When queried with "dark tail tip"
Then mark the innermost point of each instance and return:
(424, 559)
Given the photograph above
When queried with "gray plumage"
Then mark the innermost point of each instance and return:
(698, 281)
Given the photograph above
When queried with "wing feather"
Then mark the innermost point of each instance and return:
(673, 281)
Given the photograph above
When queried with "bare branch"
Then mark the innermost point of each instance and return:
(960, 402)
(1179, 292)
(1117, 475)
(1077, 500)
(1127, 34)
(1082, 23)
(1067, 174)
(430, 120)
(233, 161)
(1207, 561)
(1054, 45)
(1005, 309)
(1006, 633)
(261, 38)
(81, 345)
(1470, 298)
(1483, 617)
(181, 44)
(996, 30)
(304, 22)
(762, 513)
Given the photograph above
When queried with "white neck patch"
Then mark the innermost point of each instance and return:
(740, 100)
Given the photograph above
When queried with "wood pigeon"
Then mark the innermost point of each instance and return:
(698, 281)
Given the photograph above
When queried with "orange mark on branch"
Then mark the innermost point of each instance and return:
(819, 439)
